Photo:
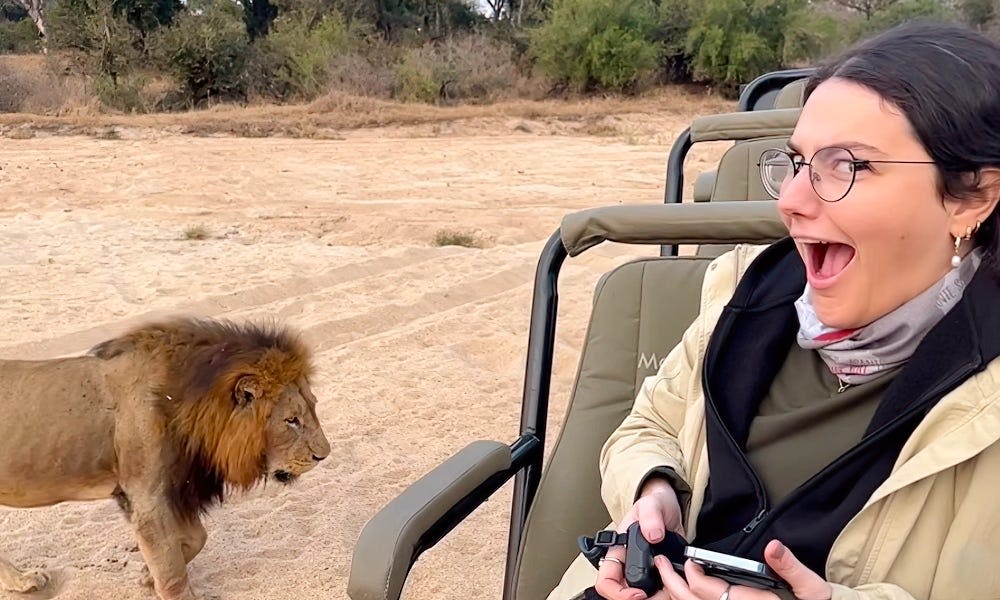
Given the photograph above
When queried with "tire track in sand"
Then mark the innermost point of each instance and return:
(325, 334)
(217, 305)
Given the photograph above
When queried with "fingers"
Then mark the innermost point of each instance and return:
(805, 583)
(674, 586)
(650, 520)
(704, 586)
(611, 577)
(699, 586)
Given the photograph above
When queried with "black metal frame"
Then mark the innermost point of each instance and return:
(759, 93)
(527, 451)
(756, 95)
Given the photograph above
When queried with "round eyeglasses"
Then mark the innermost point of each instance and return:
(831, 170)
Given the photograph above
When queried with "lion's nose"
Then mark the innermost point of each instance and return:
(319, 458)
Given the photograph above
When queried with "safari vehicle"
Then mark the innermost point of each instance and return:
(640, 309)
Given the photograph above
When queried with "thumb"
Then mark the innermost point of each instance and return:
(805, 584)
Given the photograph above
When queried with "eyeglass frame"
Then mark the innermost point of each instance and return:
(855, 163)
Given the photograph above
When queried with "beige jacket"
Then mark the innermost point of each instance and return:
(931, 531)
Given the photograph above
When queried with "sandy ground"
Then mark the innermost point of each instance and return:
(420, 349)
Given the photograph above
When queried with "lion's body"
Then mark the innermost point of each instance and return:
(163, 419)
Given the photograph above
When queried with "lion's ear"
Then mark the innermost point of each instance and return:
(247, 390)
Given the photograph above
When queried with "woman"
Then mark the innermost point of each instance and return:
(842, 386)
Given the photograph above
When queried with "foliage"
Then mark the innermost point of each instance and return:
(18, 37)
(299, 52)
(598, 43)
(207, 51)
(733, 41)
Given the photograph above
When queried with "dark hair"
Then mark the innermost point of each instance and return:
(946, 79)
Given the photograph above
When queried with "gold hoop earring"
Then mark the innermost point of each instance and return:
(957, 259)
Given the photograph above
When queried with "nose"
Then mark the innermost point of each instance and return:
(319, 458)
(797, 196)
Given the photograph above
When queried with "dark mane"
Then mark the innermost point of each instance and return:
(215, 443)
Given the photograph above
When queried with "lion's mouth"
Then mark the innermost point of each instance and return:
(283, 476)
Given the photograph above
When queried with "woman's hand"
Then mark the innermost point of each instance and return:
(657, 511)
(805, 584)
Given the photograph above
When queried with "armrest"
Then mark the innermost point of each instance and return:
(392, 540)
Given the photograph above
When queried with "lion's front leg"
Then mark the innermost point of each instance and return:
(13, 579)
(192, 541)
(160, 537)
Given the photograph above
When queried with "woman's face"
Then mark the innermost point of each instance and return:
(889, 238)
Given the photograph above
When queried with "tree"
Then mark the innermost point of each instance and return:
(497, 7)
(866, 7)
(733, 41)
(36, 11)
(258, 16)
(591, 43)
(147, 15)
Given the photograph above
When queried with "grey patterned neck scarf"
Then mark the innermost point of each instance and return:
(859, 355)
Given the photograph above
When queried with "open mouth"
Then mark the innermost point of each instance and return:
(826, 261)
(283, 477)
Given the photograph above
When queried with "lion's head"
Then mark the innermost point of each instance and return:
(236, 401)
(295, 440)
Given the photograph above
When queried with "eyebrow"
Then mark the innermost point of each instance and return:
(848, 145)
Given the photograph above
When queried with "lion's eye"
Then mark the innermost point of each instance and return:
(293, 421)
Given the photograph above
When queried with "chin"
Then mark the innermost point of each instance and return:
(833, 315)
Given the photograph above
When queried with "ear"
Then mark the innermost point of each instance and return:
(246, 391)
(967, 213)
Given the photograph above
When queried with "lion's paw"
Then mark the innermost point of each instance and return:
(145, 578)
(30, 581)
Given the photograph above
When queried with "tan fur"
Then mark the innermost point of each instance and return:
(165, 419)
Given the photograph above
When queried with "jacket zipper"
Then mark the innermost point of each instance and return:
(758, 487)
(755, 522)
(968, 369)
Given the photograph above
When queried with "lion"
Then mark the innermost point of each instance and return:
(165, 419)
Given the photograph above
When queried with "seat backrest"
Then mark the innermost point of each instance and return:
(640, 311)
(790, 96)
(736, 175)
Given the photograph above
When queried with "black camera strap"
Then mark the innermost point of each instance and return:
(595, 548)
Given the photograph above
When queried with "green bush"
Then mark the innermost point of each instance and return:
(590, 43)
(123, 93)
(207, 51)
(978, 13)
(673, 21)
(298, 53)
(414, 77)
(620, 57)
(900, 12)
(734, 41)
(18, 37)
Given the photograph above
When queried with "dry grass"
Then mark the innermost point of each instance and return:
(450, 237)
(324, 117)
(196, 232)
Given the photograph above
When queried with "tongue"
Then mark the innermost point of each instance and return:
(835, 260)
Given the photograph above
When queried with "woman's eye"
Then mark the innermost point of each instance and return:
(844, 166)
